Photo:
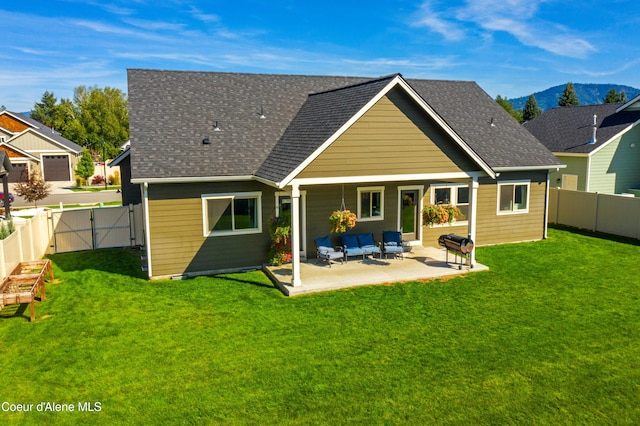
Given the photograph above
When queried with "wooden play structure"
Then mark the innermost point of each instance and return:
(24, 283)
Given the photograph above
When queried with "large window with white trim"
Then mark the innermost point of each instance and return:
(371, 203)
(228, 214)
(456, 194)
(513, 197)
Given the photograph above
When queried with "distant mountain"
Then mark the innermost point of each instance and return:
(588, 94)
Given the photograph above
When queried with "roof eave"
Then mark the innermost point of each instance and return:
(529, 168)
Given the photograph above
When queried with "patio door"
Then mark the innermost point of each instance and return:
(410, 214)
(283, 208)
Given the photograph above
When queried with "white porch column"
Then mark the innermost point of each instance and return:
(473, 214)
(295, 235)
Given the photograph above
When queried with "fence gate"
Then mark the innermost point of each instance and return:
(94, 228)
(72, 230)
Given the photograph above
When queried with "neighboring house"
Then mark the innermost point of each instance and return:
(34, 146)
(602, 158)
(131, 193)
(219, 154)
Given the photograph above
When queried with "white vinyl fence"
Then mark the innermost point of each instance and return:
(611, 214)
(60, 231)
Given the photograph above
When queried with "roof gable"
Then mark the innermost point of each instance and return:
(12, 122)
(15, 152)
(327, 116)
(570, 129)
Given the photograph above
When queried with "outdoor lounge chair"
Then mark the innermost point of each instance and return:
(325, 251)
(392, 244)
(359, 245)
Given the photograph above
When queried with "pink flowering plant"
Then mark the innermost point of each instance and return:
(342, 221)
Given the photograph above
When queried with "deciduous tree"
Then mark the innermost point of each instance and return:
(508, 106)
(85, 167)
(33, 189)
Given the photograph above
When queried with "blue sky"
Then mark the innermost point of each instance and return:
(510, 47)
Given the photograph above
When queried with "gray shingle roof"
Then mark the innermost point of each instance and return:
(49, 132)
(469, 110)
(318, 119)
(171, 112)
(570, 129)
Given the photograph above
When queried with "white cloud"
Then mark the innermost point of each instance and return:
(514, 17)
(428, 17)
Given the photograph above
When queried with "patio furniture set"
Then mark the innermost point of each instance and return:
(360, 245)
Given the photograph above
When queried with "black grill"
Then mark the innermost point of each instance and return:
(458, 245)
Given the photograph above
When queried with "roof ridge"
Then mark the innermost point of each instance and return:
(363, 83)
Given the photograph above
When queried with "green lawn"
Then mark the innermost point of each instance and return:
(550, 335)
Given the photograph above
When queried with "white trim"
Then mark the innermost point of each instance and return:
(420, 189)
(473, 216)
(397, 80)
(570, 154)
(521, 182)
(296, 279)
(303, 207)
(20, 150)
(369, 189)
(231, 196)
(193, 179)
(628, 104)
(614, 137)
(529, 168)
(147, 228)
(384, 178)
(453, 201)
(43, 135)
(339, 132)
(448, 129)
(19, 119)
(58, 154)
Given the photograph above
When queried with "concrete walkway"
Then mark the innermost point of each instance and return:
(422, 263)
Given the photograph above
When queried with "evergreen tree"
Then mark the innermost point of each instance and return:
(85, 167)
(569, 96)
(45, 110)
(614, 97)
(508, 106)
(531, 109)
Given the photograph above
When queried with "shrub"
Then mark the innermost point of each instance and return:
(114, 179)
(97, 180)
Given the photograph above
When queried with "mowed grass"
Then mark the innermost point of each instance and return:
(550, 335)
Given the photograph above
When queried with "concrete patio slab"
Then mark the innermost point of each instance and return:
(422, 263)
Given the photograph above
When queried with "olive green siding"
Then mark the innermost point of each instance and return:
(322, 200)
(176, 230)
(496, 229)
(393, 137)
(614, 168)
(576, 165)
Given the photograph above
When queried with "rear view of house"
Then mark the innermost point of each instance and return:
(217, 155)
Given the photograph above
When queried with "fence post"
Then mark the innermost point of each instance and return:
(595, 215)
(3, 267)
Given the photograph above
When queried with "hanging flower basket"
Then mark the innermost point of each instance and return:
(280, 232)
(438, 214)
(342, 221)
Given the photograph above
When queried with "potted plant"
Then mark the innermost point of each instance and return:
(342, 221)
(280, 232)
(438, 214)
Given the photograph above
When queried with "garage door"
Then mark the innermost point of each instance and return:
(15, 175)
(56, 167)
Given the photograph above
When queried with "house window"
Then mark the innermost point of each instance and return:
(454, 194)
(513, 197)
(228, 214)
(371, 203)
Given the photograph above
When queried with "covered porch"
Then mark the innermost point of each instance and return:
(421, 263)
